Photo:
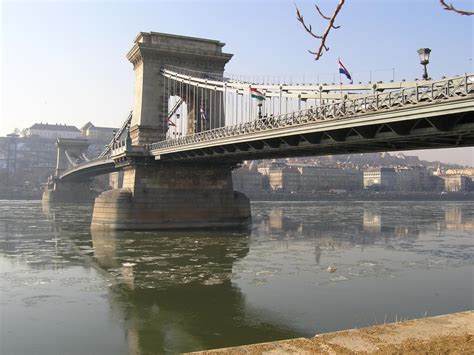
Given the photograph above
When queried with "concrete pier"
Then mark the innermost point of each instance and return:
(452, 333)
(69, 192)
(172, 196)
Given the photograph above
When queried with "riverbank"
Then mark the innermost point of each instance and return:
(452, 333)
(19, 194)
(382, 196)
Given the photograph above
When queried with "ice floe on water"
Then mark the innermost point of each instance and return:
(338, 278)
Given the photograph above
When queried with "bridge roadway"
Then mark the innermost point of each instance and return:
(433, 114)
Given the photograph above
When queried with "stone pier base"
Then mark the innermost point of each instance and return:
(168, 196)
(69, 192)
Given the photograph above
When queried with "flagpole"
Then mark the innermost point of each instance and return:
(340, 78)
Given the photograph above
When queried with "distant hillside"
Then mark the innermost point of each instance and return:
(372, 159)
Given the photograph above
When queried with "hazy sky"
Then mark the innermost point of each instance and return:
(64, 61)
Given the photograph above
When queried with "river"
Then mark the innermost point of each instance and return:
(303, 268)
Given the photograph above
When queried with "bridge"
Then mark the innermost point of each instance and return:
(191, 125)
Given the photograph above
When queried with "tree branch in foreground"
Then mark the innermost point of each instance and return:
(322, 47)
(450, 7)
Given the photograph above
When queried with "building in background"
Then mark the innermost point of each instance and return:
(469, 172)
(457, 183)
(315, 178)
(52, 131)
(27, 161)
(248, 180)
(382, 178)
(413, 178)
(97, 134)
(284, 179)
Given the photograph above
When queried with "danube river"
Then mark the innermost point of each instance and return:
(303, 268)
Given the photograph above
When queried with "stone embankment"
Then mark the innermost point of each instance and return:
(447, 334)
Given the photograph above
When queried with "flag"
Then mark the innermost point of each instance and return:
(343, 70)
(257, 94)
(202, 113)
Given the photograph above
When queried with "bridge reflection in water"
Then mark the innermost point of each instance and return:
(189, 291)
(176, 291)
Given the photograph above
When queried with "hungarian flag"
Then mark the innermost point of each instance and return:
(257, 94)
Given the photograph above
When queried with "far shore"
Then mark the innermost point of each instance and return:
(361, 196)
(323, 196)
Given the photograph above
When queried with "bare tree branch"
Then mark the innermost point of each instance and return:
(324, 36)
(322, 15)
(323, 47)
(450, 7)
(308, 29)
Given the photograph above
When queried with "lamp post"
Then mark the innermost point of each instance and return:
(259, 109)
(114, 138)
(424, 54)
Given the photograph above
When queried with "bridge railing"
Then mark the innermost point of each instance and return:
(117, 135)
(427, 91)
(87, 164)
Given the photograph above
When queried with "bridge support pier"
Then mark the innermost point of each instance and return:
(172, 196)
(69, 192)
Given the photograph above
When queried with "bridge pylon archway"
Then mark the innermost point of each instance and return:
(151, 53)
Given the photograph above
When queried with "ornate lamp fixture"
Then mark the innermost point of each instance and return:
(424, 54)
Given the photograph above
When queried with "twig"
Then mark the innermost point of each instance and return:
(308, 29)
(323, 37)
(450, 7)
(322, 15)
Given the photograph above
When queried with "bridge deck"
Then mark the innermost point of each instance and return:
(433, 114)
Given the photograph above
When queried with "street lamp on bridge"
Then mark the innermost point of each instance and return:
(424, 54)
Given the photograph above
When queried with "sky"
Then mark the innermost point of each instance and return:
(64, 61)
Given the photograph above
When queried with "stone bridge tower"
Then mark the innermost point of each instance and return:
(160, 194)
(150, 53)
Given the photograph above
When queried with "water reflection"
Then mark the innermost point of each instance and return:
(363, 220)
(342, 226)
(186, 291)
(176, 289)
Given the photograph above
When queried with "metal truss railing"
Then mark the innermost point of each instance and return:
(117, 135)
(118, 147)
(424, 92)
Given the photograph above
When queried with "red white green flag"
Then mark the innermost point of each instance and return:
(257, 94)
